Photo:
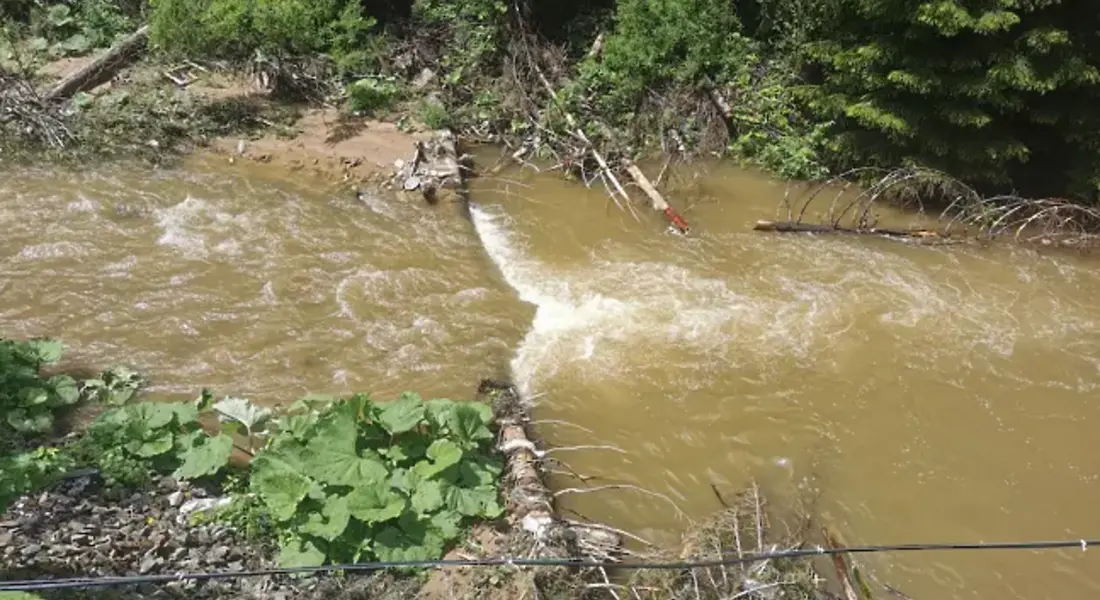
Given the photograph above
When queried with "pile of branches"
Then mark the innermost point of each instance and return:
(25, 115)
(743, 528)
(950, 209)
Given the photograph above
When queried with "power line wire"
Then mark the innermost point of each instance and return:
(29, 585)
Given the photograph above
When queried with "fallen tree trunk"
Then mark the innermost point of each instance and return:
(101, 69)
(656, 200)
(795, 227)
(530, 504)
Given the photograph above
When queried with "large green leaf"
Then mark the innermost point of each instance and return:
(330, 455)
(333, 520)
(46, 351)
(401, 415)
(481, 470)
(300, 553)
(33, 420)
(468, 423)
(375, 503)
(438, 411)
(427, 498)
(65, 390)
(206, 458)
(184, 412)
(448, 523)
(279, 485)
(33, 396)
(411, 541)
(240, 410)
(442, 454)
(150, 415)
(155, 445)
(474, 502)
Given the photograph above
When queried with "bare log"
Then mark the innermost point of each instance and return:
(101, 69)
(530, 502)
(656, 200)
(796, 227)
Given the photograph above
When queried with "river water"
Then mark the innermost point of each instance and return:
(918, 394)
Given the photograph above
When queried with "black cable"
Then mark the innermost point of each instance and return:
(29, 585)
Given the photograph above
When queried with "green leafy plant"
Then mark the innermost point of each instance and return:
(372, 94)
(114, 386)
(362, 480)
(167, 436)
(28, 401)
(26, 471)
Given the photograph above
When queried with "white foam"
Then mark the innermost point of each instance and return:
(197, 229)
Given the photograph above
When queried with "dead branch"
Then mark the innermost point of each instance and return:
(624, 486)
(855, 197)
(101, 69)
(655, 199)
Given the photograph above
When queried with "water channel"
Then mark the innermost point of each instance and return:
(920, 394)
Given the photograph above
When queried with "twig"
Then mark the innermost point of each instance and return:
(624, 486)
(608, 528)
(560, 422)
(586, 447)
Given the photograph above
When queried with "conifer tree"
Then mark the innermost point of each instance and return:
(1000, 93)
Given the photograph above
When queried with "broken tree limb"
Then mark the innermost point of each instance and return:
(795, 227)
(719, 101)
(577, 131)
(101, 69)
(656, 200)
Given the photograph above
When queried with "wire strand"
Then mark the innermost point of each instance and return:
(29, 585)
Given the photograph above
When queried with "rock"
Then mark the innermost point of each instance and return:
(30, 550)
(423, 78)
(200, 505)
(175, 499)
(149, 563)
(218, 554)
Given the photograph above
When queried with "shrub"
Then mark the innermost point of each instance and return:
(242, 28)
(365, 480)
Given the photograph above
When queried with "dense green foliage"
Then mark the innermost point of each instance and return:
(28, 400)
(999, 92)
(331, 480)
(339, 30)
(69, 29)
(996, 92)
(393, 481)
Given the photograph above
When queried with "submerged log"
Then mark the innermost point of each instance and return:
(796, 227)
(101, 69)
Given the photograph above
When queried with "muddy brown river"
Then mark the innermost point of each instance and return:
(920, 394)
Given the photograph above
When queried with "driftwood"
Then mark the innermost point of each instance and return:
(795, 227)
(655, 199)
(101, 69)
(530, 503)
